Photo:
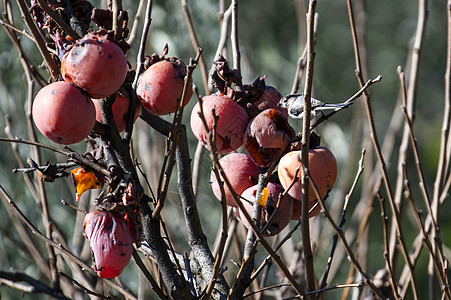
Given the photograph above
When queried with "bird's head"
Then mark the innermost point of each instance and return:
(286, 101)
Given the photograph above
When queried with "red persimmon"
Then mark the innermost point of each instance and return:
(111, 242)
(242, 173)
(267, 135)
(63, 113)
(96, 65)
(230, 127)
(270, 99)
(268, 203)
(160, 86)
(120, 111)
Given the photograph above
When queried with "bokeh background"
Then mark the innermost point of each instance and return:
(272, 37)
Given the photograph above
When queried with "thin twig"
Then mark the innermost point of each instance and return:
(58, 19)
(40, 41)
(25, 283)
(343, 239)
(195, 42)
(435, 256)
(22, 32)
(388, 265)
(359, 93)
(342, 221)
(137, 19)
(377, 147)
(87, 290)
(305, 178)
(148, 276)
(143, 42)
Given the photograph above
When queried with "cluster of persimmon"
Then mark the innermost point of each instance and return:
(93, 68)
(252, 117)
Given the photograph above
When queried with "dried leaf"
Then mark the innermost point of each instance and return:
(84, 180)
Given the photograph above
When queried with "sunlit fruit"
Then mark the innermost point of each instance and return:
(267, 136)
(268, 201)
(111, 242)
(96, 65)
(230, 127)
(120, 111)
(322, 167)
(160, 86)
(63, 113)
(242, 173)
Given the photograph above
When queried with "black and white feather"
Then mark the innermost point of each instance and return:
(295, 106)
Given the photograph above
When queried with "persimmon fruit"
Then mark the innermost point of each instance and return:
(267, 135)
(111, 242)
(242, 173)
(95, 64)
(270, 99)
(120, 111)
(323, 170)
(63, 113)
(160, 86)
(230, 127)
(281, 216)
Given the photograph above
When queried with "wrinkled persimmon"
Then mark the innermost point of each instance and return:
(267, 136)
(270, 99)
(268, 204)
(111, 242)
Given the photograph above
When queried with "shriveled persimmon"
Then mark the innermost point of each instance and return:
(267, 135)
(268, 202)
(270, 99)
(111, 242)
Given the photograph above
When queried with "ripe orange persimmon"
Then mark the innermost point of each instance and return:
(323, 170)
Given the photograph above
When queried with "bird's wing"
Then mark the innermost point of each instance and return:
(296, 108)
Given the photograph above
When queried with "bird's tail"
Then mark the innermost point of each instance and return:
(329, 106)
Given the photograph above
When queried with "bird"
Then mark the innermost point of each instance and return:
(295, 105)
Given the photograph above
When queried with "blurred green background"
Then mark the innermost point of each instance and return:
(271, 37)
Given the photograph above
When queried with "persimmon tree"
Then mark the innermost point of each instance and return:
(140, 201)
